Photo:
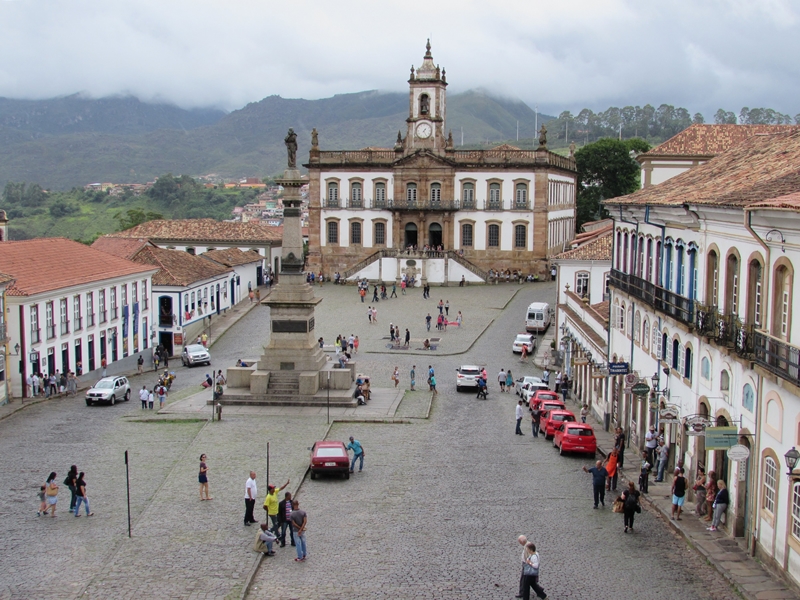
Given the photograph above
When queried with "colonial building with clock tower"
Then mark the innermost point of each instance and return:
(426, 209)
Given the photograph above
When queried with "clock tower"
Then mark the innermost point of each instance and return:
(427, 104)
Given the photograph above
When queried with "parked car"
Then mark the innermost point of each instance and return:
(575, 437)
(538, 317)
(529, 389)
(523, 339)
(195, 354)
(542, 395)
(521, 381)
(329, 458)
(554, 418)
(109, 390)
(467, 376)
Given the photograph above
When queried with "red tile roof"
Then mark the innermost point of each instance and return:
(762, 167)
(178, 268)
(706, 140)
(122, 247)
(5, 279)
(49, 264)
(596, 248)
(203, 230)
(787, 202)
(232, 257)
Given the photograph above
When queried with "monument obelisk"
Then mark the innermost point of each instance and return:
(292, 345)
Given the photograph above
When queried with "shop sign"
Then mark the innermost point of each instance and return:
(669, 415)
(618, 368)
(580, 361)
(739, 452)
(641, 389)
(720, 438)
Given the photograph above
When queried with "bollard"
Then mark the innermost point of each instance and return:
(219, 412)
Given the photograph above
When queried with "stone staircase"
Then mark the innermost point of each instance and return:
(364, 263)
(468, 265)
(283, 386)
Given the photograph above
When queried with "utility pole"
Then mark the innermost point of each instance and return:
(517, 130)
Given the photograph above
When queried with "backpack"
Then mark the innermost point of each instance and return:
(631, 501)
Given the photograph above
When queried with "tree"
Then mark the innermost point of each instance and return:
(606, 169)
(698, 118)
(722, 117)
(134, 217)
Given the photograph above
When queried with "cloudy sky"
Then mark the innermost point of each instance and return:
(701, 54)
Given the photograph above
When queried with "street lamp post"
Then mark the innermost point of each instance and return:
(792, 456)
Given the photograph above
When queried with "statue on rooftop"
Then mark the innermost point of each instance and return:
(314, 138)
(543, 137)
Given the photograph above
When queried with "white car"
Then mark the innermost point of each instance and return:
(467, 376)
(195, 354)
(519, 383)
(529, 389)
(523, 339)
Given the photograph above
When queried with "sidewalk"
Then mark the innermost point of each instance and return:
(746, 575)
(128, 367)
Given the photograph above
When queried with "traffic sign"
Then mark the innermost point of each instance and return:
(641, 389)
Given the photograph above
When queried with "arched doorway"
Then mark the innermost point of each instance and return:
(720, 456)
(435, 235)
(701, 440)
(411, 235)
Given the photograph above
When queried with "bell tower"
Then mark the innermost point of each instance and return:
(427, 105)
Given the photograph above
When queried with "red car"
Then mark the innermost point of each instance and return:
(575, 437)
(554, 418)
(551, 405)
(329, 457)
(540, 396)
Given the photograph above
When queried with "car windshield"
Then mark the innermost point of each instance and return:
(330, 452)
(104, 385)
(523, 338)
(195, 348)
(581, 432)
(469, 371)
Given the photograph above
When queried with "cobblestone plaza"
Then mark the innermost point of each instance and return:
(435, 514)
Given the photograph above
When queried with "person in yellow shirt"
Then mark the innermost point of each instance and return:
(271, 506)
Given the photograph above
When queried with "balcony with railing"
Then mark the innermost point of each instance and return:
(777, 356)
(726, 330)
(332, 203)
(669, 303)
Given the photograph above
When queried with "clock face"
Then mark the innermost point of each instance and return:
(424, 130)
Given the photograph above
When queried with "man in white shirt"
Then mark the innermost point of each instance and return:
(650, 443)
(36, 384)
(144, 396)
(501, 379)
(250, 495)
(520, 413)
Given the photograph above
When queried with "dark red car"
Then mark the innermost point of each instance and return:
(575, 437)
(331, 458)
(554, 418)
(540, 396)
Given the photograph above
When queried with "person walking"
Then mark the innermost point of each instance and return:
(536, 419)
(519, 412)
(250, 495)
(530, 569)
(644, 474)
(522, 541)
(81, 496)
(678, 494)
(355, 344)
(599, 475)
(72, 384)
(524, 354)
(271, 505)
(720, 505)
(501, 379)
(299, 521)
(202, 478)
(546, 377)
(35, 383)
(284, 518)
(162, 396)
(559, 378)
(71, 482)
(358, 454)
(151, 397)
(584, 412)
(394, 291)
(396, 376)
(104, 366)
(700, 492)
(432, 384)
(144, 395)
(447, 308)
(408, 338)
(630, 505)
(619, 444)
(509, 381)
(51, 494)
(428, 322)
(612, 469)
(413, 376)
(140, 365)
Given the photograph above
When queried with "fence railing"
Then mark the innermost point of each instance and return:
(777, 356)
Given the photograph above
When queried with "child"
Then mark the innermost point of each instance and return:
(42, 502)
(150, 399)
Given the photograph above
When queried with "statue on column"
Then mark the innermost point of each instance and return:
(291, 147)
(572, 150)
(314, 138)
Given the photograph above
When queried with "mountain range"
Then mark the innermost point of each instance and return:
(73, 140)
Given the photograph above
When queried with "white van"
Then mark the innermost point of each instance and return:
(537, 317)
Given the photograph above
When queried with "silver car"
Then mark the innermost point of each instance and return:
(196, 354)
(108, 390)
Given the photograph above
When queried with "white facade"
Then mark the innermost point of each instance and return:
(83, 324)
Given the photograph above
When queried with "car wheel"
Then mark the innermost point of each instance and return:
(561, 450)
(347, 474)
(458, 388)
(183, 361)
(127, 395)
(113, 400)
(554, 442)
(313, 475)
(594, 455)
(88, 403)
